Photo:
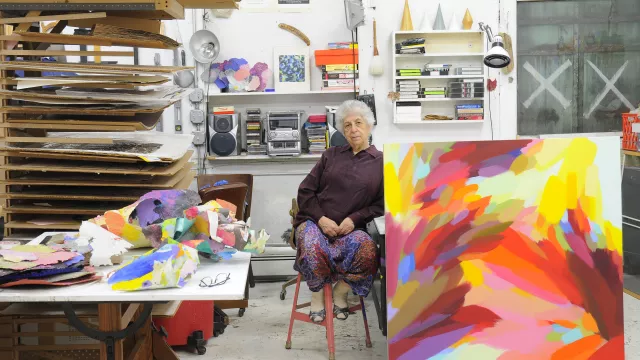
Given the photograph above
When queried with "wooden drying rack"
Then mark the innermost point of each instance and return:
(16, 206)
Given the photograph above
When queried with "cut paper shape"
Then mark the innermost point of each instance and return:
(7, 244)
(44, 282)
(43, 259)
(406, 24)
(439, 21)
(174, 216)
(236, 75)
(504, 249)
(426, 22)
(104, 244)
(39, 249)
(18, 256)
(454, 23)
(170, 266)
(152, 208)
(467, 21)
(38, 272)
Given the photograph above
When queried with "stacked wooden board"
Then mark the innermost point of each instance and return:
(77, 138)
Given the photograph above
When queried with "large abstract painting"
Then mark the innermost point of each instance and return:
(507, 250)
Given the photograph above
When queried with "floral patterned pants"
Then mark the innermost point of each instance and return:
(352, 258)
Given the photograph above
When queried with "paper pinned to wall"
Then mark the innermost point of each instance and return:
(258, 5)
(294, 5)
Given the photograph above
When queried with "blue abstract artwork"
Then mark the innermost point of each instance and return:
(291, 68)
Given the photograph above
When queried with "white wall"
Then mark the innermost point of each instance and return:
(253, 35)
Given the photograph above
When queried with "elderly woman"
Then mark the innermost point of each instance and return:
(340, 195)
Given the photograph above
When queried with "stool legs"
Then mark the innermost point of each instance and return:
(293, 311)
(366, 323)
(328, 321)
(328, 306)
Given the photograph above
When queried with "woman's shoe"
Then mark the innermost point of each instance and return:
(341, 313)
(317, 316)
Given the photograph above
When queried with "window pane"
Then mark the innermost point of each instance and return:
(578, 65)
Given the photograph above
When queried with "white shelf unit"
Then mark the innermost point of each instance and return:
(306, 93)
(458, 48)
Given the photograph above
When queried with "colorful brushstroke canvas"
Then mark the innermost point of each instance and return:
(507, 250)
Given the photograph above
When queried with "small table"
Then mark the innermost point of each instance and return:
(114, 325)
(377, 231)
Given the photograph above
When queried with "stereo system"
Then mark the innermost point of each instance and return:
(283, 133)
(224, 134)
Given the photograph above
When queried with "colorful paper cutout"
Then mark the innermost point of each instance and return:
(104, 244)
(170, 266)
(43, 258)
(175, 216)
(236, 75)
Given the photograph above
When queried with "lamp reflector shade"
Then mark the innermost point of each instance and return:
(204, 46)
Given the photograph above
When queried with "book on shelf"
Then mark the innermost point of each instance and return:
(340, 83)
(411, 51)
(339, 67)
(339, 75)
(469, 106)
(342, 45)
(411, 46)
(477, 80)
(469, 112)
(340, 88)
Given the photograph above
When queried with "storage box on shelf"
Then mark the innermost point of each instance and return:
(438, 73)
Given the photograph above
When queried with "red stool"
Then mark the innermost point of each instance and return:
(328, 321)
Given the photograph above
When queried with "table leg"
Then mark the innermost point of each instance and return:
(109, 317)
(111, 331)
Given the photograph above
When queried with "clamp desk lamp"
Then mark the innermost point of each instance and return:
(497, 57)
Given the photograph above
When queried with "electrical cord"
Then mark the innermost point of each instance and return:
(489, 93)
(353, 53)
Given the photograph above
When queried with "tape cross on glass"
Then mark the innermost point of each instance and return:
(547, 84)
(609, 86)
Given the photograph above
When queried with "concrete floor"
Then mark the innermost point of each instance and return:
(262, 332)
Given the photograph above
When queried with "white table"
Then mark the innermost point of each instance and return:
(233, 289)
(114, 325)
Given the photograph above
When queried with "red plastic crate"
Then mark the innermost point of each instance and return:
(629, 138)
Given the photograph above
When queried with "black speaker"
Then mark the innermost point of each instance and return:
(224, 132)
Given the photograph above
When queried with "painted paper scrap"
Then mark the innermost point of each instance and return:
(170, 266)
(507, 250)
(176, 216)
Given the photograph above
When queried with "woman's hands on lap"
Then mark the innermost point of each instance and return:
(346, 227)
(328, 226)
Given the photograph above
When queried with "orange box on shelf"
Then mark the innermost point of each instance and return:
(629, 138)
(336, 57)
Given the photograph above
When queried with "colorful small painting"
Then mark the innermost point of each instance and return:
(507, 250)
(292, 64)
(292, 68)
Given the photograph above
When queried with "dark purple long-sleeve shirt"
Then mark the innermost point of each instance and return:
(343, 185)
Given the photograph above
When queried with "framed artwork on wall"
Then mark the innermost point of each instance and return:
(292, 69)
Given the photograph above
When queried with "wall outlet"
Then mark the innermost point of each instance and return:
(198, 138)
(197, 95)
(196, 116)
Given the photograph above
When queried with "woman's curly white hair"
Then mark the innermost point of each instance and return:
(353, 107)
